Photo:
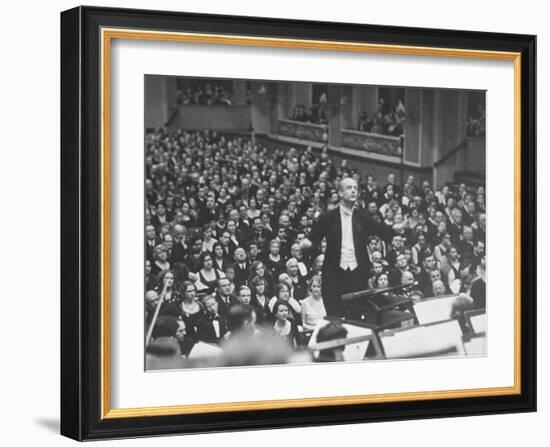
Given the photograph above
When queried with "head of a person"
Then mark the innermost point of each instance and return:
(217, 250)
(407, 278)
(161, 208)
(439, 288)
(281, 310)
(479, 248)
(397, 242)
(253, 250)
(206, 260)
(245, 295)
(457, 216)
(348, 190)
(453, 253)
(160, 253)
(229, 273)
(468, 234)
(401, 261)
(282, 291)
(446, 240)
(240, 254)
(382, 280)
(274, 247)
(182, 330)
(166, 278)
(257, 283)
(150, 232)
(231, 226)
(151, 299)
(377, 256)
(435, 275)
(292, 267)
(189, 291)
(210, 305)
(315, 286)
(224, 286)
(429, 262)
(296, 251)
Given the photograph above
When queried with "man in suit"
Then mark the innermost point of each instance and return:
(212, 326)
(346, 264)
(241, 267)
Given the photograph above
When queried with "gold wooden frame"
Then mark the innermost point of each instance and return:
(107, 35)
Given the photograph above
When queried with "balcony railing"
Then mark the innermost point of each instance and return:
(371, 142)
(303, 131)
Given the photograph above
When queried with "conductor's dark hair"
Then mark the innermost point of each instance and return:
(166, 326)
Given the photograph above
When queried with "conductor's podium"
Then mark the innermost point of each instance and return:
(382, 308)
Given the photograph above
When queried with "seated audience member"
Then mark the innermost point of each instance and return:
(152, 300)
(401, 267)
(282, 293)
(439, 288)
(258, 269)
(224, 296)
(299, 286)
(274, 261)
(190, 308)
(284, 326)
(423, 278)
(166, 285)
(160, 260)
(212, 326)
(245, 295)
(241, 267)
(220, 259)
(313, 308)
(208, 275)
(260, 301)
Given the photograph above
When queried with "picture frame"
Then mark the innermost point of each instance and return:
(86, 37)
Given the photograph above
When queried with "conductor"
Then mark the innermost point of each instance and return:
(346, 229)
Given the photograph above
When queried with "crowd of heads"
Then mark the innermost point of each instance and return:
(316, 114)
(386, 120)
(475, 124)
(207, 94)
(224, 221)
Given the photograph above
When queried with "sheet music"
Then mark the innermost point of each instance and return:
(424, 340)
(434, 310)
(479, 323)
(476, 346)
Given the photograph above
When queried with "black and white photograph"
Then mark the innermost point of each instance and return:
(299, 222)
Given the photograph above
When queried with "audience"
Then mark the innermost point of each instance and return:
(225, 216)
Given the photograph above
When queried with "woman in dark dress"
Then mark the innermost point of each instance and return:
(274, 261)
(191, 309)
(208, 274)
(260, 302)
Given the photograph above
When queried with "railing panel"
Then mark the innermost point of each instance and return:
(303, 131)
(370, 142)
